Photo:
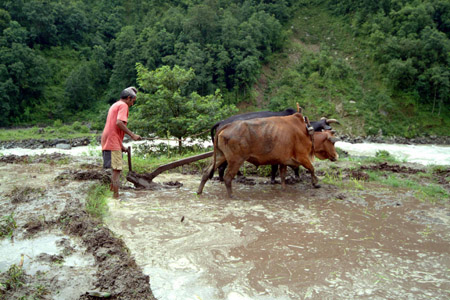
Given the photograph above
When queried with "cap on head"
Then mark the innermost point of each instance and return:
(128, 92)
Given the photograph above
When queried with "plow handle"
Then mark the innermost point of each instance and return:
(129, 159)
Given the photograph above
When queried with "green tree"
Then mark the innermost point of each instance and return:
(22, 72)
(168, 106)
(126, 56)
(80, 87)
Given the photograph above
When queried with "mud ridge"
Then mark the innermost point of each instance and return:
(27, 159)
(118, 273)
(391, 168)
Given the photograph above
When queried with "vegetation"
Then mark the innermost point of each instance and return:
(147, 158)
(7, 226)
(57, 131)
(15, 278)
(379, 65)
(96, 201)
(172, 107)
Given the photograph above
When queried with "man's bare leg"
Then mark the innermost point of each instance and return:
(115, 183)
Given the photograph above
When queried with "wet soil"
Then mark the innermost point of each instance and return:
(57, 250)
(351, 239)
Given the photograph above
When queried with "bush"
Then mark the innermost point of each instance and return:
(382, 154)
(84, 129)
(58, 123)
(76, 126)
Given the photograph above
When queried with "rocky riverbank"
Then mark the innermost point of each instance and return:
(84, 141)
(43, 143)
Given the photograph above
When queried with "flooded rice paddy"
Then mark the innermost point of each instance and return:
(302, 243)
(347, 240)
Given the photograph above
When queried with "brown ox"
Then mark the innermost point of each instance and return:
(268, 141)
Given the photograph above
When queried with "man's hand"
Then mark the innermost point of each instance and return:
(124, 149)
(136, 137)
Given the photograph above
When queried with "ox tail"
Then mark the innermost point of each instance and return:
(216, 148)
(215, 138)
(213, 130)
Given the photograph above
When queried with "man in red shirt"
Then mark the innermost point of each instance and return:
(113, 133)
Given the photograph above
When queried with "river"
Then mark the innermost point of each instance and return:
(421, 154)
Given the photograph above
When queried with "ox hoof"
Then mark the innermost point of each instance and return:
(316, 186)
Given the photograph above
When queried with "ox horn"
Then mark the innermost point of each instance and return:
(333, 139)
(329, 121)
(299, 109)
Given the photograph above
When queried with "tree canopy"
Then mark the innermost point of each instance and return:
(168, 106)
(64, 59)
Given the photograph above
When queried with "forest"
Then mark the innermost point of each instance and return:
(380, 65)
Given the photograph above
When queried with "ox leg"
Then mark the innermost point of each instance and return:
(273, 174)
(209, 171)
(308, 165)
(283, 171)
(296, 172)
(222, 168)
(232, 170)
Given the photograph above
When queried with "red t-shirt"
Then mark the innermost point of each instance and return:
(112, 135)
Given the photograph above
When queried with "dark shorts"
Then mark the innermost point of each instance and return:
(112, 159)
(106, 159)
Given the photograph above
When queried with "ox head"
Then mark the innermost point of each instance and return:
(324, 145)
(325, 123)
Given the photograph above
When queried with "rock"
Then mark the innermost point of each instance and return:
(63, 146)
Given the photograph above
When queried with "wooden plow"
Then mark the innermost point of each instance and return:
(145, 180)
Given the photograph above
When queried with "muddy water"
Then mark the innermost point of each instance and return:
(302, 243)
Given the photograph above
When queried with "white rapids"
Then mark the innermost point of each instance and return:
(421, 154)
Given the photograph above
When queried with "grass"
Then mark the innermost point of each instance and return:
(15, 278)
(424, 191)
(97, 201)
(337, 179)
(7, 226)
(145, 160)
(76, 130)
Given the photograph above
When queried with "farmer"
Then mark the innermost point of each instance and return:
(112, 136)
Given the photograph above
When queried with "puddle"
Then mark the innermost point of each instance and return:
(34, 250)
(300, 243)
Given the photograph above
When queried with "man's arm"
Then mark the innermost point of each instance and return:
(124, 128)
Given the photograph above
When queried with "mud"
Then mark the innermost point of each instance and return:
(351, 239)
(26, 159)
(57, 251)
(391, 168)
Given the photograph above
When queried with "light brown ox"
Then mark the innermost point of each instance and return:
(268, 141)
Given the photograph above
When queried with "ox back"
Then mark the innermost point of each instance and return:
(249, 116)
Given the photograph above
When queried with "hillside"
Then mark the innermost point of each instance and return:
(329, 71)
(380, 67)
